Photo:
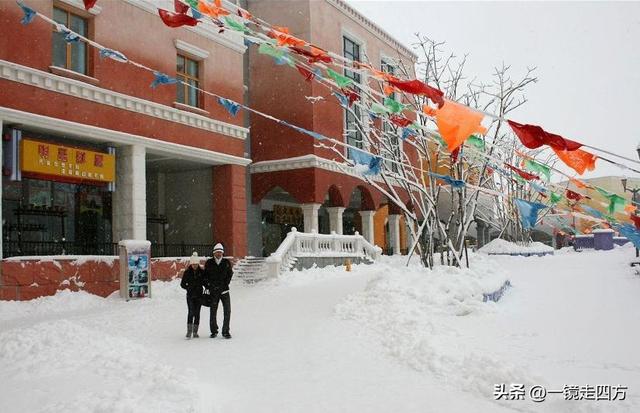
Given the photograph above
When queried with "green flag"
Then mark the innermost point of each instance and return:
(342, 81)
(538, 167)
(270, 50)
(555, 198)
(193, 3)
(239, 27)
(616, 203)
(379, 109)
(393, 105)
(476, 142)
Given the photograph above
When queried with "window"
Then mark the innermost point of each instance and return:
(351, 52)
(389, 130)
(188, 71)
(70, 55)
(352, 117)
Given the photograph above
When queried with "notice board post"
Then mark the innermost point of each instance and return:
(135, 269)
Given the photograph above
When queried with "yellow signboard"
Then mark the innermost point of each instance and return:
(50, 160)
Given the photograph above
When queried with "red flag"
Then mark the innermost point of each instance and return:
(455, 154)
(575, 196)
(400, 121)
(180, 7)
(523, 174)
(636, 220)
(417, 87)
(176, 19)
(89, 4)
(315, 55)
(351, 94)
(533, 137)
(308, 74)
(244, 14)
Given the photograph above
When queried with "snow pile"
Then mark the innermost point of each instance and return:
(500, 246)
(410, 311)
(71, 358)
(65, 301)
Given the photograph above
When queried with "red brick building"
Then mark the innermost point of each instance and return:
(294, 183)
(179, 157)
(91, 154)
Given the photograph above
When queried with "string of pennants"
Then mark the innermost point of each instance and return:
(456, 123)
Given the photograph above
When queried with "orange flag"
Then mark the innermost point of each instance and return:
(578, 183)
(281, 34)
(630, 208)
(212, 10)
(456, 123)
(579, 160)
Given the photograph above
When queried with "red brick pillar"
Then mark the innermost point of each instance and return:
(230, 209)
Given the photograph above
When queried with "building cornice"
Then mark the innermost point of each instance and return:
(305, 161)
(59, 84)
(73, 129)
(205, 28)
(372, 28)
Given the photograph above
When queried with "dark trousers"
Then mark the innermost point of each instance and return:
(226, 309)
(193, 305)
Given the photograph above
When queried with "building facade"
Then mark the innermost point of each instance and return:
(294, 182)
(92, 154)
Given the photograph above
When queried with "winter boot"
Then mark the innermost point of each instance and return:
(195, 331)
(189, 330)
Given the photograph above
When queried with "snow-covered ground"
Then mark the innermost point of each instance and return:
(380, 338)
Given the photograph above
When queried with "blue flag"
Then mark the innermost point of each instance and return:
(113, 54)
(162, 79)
(374, 163)
(455, 183)
(231, 106)
(528, 212)
(29, 14)
(313, 134)
(630, 232)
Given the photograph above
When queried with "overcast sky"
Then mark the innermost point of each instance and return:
(587, 57)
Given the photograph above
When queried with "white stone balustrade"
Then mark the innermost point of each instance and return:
(301, 244)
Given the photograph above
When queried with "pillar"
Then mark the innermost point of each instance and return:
(335, 219)
(310, 213)
(130, 196)
(368, 225)
(480, 234)
(229, 221)
(1, 166)
(394, 233)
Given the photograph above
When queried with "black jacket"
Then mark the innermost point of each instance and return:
(217, 277)
(193, 281)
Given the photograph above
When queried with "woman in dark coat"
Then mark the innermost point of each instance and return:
(192, 281)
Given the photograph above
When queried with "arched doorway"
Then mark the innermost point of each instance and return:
(279, 213)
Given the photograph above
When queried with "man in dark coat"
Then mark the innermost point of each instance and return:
(217, 276)
(193, 282)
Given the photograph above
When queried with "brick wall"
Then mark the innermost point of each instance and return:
(29, 278)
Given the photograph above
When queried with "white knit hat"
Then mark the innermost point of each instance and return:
(194, 258)
(218, 247)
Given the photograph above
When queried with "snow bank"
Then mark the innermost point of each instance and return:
(500, 246)
(62, 302)
(410, 310)
(74, 358)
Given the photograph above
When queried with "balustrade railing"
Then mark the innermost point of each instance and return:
(301, 244)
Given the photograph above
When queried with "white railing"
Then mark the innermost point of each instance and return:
(301, 244)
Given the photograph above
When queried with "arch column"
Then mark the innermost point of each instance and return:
(367, 225)
(310, 214)
(394, 232)
(335, 219)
